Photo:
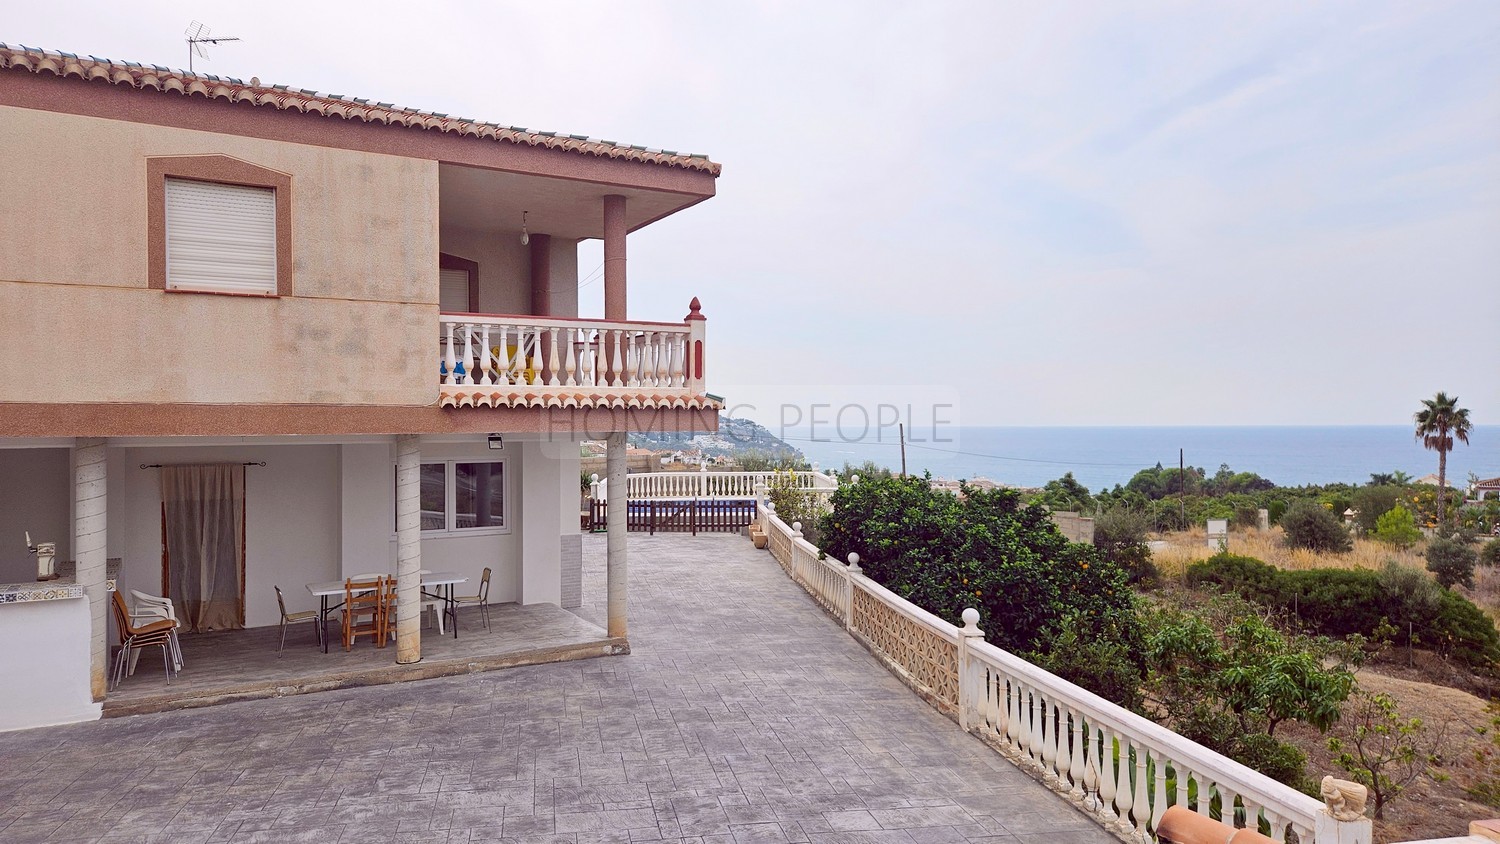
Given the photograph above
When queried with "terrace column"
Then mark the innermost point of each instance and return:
(614, 564)
(614, 257)
(408, 548)
(89, 526)
(541, 274)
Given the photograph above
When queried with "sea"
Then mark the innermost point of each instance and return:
(1100, 457)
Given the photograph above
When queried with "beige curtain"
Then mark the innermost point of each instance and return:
(205, 527)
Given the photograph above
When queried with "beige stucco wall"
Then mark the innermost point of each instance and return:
(504, 266)
(505, 269)
(82, 325)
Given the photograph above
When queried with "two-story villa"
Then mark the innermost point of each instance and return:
(256, 335)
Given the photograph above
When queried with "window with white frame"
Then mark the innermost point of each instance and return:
(220, 238)
(459, 496)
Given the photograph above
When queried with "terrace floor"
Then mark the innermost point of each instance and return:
(245, 664)
(742, 714)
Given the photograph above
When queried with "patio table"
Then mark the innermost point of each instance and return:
(442, 581)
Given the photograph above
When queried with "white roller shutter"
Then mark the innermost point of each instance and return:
(220, 238)
(453, 291)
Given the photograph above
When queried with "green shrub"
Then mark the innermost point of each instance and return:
(1371, 502)
(1461, 630)
(1167, 515)
(1315, 528)
(1120, 535)
(1107, 668)
(1275, 509)
(1335, 602)
(1277, 759)
(1451, 561)
(1345, 602)
(1411, 597)
(795, 504)
(1489, 554)
(1246, 576)
(1396, 527)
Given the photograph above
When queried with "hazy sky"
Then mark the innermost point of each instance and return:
(1075, 214)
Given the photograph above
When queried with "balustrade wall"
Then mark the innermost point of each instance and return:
(1122, 768)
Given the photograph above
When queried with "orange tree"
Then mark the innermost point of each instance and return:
(987, 549)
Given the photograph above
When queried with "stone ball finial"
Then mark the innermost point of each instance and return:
(771, 506)
(594, 477)
(797, 527)
(1345, 800)
(970, 617)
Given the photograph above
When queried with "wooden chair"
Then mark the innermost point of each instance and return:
(388, 605)
(482, 599)
(364, 610)
(132, 639)
(294, 618)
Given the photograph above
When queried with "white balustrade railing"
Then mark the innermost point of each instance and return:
(550, 354)
(645, 486)
(1124, 769)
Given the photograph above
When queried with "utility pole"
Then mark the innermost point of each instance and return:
(901, 429)
(1182, 487)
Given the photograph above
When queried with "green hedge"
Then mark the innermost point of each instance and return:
(1343, 602)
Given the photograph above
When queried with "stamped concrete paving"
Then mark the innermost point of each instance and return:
(743, 715)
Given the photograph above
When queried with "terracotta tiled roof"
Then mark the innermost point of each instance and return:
(209, 86)
(510, 396)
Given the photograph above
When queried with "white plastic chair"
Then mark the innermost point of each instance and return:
(437, 605)
(150, 608)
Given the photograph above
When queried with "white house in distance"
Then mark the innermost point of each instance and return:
(344, 333)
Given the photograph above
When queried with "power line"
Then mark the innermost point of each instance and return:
(591, 278)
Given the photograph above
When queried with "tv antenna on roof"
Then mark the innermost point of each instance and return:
(198, 35)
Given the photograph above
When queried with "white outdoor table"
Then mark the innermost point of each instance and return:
(442, 581)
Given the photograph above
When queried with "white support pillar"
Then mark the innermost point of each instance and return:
(408, 548)
(541, 522)
(615, 541)
(89, 534)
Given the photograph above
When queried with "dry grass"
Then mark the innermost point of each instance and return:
(1187, 547)
(1192, 545)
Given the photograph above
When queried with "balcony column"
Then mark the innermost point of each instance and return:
(408, 548)
(89, 534)
(614, 257)
(541, 274)
(614, 561)
(693, 365)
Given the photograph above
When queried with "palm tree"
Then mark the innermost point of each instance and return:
(1439, 422)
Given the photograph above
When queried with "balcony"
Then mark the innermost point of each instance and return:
(508, 360)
